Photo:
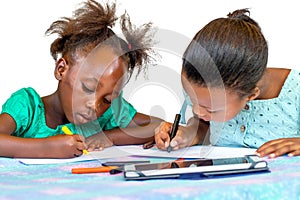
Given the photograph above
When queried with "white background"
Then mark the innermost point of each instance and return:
(26, 60)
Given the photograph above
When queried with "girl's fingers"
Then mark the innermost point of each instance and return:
(294, 153)
(91, 147)
(162, 137)
(267, 145)
(279, 147)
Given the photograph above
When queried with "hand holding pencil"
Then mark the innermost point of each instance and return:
(165, 133)
(174, 131)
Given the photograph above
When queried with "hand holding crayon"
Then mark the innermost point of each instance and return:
(67, 131)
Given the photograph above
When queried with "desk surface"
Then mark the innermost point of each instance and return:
(55, 181)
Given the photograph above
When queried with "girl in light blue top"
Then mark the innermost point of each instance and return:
(92, 65)
(235, 99)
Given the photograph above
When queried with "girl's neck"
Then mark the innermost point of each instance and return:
(271, 83)
(53, 112)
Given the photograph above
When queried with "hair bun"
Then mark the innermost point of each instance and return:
(239, 14)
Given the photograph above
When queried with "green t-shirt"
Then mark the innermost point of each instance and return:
(25, 106)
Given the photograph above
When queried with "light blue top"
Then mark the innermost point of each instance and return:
(25, 106)
(265, 120)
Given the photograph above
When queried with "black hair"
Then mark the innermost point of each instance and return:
(92, 25)
(230, 52)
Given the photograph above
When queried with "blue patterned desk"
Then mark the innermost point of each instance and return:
(19, 181)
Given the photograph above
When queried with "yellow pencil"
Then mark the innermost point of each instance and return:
(67, 131)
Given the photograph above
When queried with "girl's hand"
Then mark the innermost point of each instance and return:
(278, 147)
(181, 140)
(65, 146)
(98, 142)
(162, 137)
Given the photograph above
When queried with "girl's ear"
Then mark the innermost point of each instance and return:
(60, 69)
(255, 94)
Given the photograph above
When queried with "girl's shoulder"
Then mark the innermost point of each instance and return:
(292, 83)
(26, 108)
(28, 91)
(288, 93)
(24, 98)
(283, 81)
(295, 75)
(285, 72)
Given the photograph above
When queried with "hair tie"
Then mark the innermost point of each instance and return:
(129, 46)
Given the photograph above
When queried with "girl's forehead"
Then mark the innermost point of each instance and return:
(104, 69)
(100, 57)
(111, 72)
(211, 97)
(101, 61)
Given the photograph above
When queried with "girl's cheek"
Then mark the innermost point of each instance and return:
(100, 110)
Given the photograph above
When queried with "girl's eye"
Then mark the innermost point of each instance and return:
(87, 89)
(105, 100)
(210, 111)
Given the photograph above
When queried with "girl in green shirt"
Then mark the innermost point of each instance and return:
(92, 66)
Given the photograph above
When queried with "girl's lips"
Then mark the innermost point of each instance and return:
(82, 118)
(204, 118)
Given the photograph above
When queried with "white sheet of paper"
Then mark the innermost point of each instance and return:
(192, 152)
(137, 150)
(111, 152)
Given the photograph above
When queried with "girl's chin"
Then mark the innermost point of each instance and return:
(214, 120)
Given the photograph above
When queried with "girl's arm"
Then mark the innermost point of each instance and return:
(60, 146)
(139, 131)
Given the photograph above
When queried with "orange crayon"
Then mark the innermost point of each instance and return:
(93, 170)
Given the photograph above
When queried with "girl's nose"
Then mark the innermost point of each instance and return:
(92, 105)
(201, 113)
